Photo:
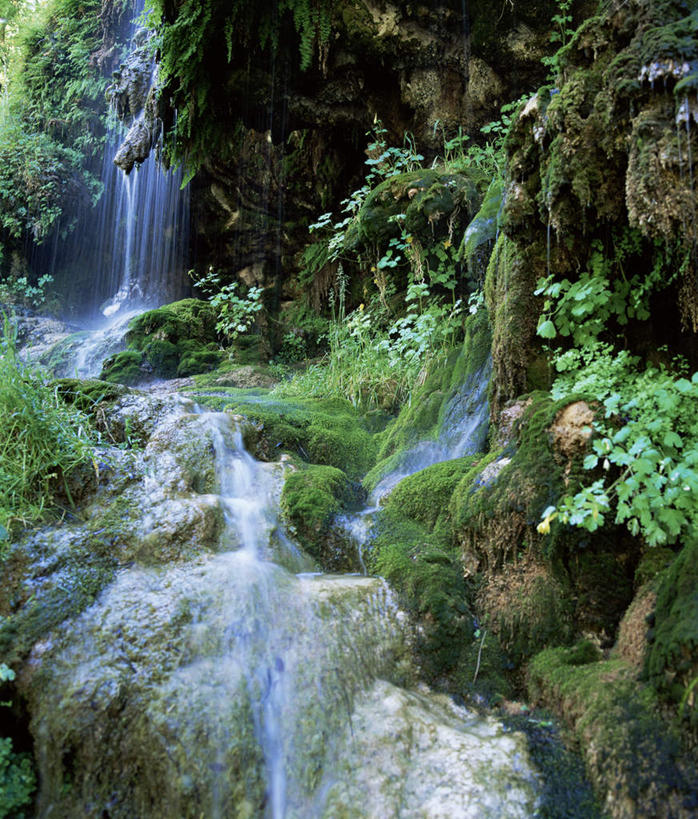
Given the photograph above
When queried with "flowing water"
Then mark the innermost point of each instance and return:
(229, 686)
(462, 431)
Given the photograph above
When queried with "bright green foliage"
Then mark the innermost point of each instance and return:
(37, 176)
(17, 778)
(51, 114)
(17, 290)
(43, 439)
(197, 39)
(379, 354)
(562, 31)
(235, 313)
(644, 458)
(583, 309)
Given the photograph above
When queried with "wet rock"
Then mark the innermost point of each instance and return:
(416, 754)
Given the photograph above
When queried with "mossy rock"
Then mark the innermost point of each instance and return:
(427, 199)
(673, 657)
(311, 499)
(634, 759)
(424, 496)
(527, 608)
(124, 368)
(188, 319)
(320, 431)
(176, 340)
(426, 573)
(89, 394)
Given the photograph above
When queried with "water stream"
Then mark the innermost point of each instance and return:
(462, 431)
(229, 685)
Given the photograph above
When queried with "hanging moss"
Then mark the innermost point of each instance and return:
(513, 310)
(424, 570)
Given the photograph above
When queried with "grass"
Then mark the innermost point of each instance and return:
(43, 439)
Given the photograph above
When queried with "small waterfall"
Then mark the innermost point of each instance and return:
(463, 431)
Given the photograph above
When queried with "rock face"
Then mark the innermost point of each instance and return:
(133, 96)
(605, 153)
(281, 154)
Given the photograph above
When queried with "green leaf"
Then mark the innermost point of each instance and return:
(546, 329)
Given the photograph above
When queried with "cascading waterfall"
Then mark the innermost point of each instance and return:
(129, 252)
(231, 686)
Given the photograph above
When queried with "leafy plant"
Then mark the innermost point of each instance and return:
(582, 309)
(235, 312)
(559, 36)
(644, 460)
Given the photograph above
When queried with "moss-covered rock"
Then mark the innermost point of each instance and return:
(312, 498)
(633, 757)
(425, 571)
(320, 431)
(176, 340)
(673, 656)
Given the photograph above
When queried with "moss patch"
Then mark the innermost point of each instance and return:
(320, 431)
(311, 499)
(673, 656)
(178, 339)
(633, 758)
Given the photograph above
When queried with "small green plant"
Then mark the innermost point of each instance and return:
(18, 291)
(17, 778)
(561, 22)
(236, 313)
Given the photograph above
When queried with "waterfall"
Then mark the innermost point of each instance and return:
(228, 685)
(129, 251)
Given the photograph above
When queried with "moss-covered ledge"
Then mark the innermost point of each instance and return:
(634, 758)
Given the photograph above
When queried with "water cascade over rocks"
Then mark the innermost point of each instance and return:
(234, 683)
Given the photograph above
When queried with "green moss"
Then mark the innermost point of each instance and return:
(88, 394)
(494, 516)
(320, 431)
(425, 572)
(513, 310)
(44, 585)
(178, 339)
(424, 496)
(311, 499)
(123, 368)
(632, 755)
(673, 657)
